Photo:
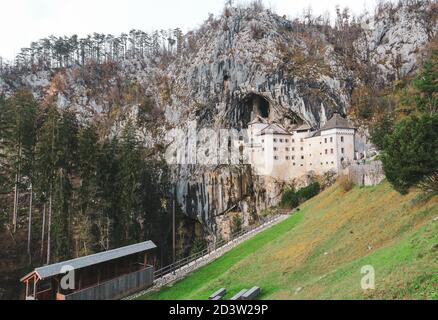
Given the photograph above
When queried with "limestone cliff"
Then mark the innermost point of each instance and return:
(244, 62)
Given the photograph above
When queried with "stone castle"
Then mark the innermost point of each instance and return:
(291, 153)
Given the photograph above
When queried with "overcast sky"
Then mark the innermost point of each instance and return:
(24, 21)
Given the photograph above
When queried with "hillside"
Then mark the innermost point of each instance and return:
(318, 253)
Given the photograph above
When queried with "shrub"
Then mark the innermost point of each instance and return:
(346, 183)
(290, 199)
(309, 192)
(236, 225)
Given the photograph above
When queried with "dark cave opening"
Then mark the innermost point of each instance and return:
(259, 106)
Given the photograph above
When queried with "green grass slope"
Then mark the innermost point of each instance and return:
(319, 252)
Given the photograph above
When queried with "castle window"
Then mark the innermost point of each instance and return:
(287, 140)
(302, 149)
(322, 163)
(326, 151)
(293, 140)
(310, 164)
(325, 140)
(293, 149)
(342, 150)
(342, 139)
(281, 140)
(294, 164)
(333, 162)
(302, 157)
(331, 139)
(287, 149)
(275, 148)
(331, 151)
(263, 140)
(275, 140)
(275, 158)
(302, 165)
(287, 158)
(302, 140)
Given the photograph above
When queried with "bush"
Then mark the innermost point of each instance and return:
(346, 183)
(290, 199)
(236, 225)
(309, 192)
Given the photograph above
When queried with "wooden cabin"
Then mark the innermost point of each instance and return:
(107, 275)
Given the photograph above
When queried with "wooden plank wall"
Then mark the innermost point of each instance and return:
(117, 288)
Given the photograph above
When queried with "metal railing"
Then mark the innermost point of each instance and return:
(172, 268)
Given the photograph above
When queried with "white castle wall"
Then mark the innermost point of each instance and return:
(287, 157)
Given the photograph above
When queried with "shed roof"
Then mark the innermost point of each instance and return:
(87, 261)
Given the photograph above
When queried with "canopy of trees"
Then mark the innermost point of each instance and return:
(87, 193)
(408, 135)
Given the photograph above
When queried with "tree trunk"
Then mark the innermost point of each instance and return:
(49, 227)
(108, 233)
(29, 234)
(43, 227)
(17, 192)
(14, 214)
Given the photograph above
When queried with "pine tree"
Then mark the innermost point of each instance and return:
(19, 144)
(45, 163)
(426, 85)
(5, 132)
(66, 145)
(129, 177)
(411, 152)
(88, 192)
(110, 197)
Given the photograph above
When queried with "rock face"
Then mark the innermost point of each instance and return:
(370, 174)
(246, 62)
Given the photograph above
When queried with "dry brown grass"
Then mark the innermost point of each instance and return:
(346, 183)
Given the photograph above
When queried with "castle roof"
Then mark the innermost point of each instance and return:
(303, 127)
(274, 128)
(337, 122)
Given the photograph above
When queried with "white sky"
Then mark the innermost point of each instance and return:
(24, 21)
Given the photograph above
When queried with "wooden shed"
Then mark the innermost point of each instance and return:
(107, 275)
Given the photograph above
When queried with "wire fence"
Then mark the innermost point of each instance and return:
(217, 245)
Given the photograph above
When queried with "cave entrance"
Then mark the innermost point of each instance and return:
(259, 106)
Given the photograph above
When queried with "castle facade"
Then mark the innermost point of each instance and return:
(291, 153)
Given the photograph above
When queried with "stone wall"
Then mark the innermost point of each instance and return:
(369, 174)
